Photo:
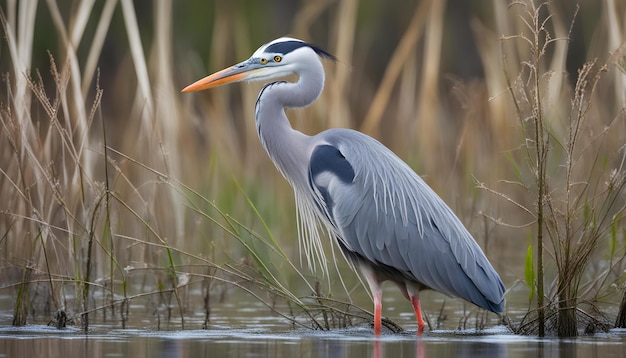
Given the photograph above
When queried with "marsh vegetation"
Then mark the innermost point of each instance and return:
(119, 191)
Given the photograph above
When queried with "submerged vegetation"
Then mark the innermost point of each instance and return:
(118, 192)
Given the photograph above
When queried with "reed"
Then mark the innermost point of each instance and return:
(575, 160)
(116, 189)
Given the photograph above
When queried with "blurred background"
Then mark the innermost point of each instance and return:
(93, 114)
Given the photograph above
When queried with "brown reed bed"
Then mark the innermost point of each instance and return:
(117, 189)
(575, 158)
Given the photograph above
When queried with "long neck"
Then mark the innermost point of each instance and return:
(287, 147)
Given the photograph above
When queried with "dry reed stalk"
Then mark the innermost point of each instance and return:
(18, 119)
(399, 128)
(161, 121)
(338, 113)
(403, 51)
(615, 40)
(574, 210)
(58, 168)
(136, 244)
(306, 16)
(557, 89)
(144, 98)
(219, 119)
(166, 115)
(76, 123)
(428, 133)
(20, 42)
(97, 42)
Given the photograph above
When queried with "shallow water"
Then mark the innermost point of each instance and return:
(241, 327)
(43, 341)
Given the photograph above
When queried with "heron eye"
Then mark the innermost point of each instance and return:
(263, 60)
(277, 58)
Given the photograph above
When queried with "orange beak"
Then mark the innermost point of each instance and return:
(236, 73)
(224, 76)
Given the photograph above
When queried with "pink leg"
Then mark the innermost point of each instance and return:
(415, 301)
(378, 310)
(378, 350)
(377, 294)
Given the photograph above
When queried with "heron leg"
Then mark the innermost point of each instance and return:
(377, 295)
(413, 293)
(378, 310)
(415, 301)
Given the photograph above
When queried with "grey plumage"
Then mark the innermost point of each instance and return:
(389, 216)
(386, 219)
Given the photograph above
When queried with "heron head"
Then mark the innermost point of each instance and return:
(278, 58)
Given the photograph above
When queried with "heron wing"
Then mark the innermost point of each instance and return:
(386, 214)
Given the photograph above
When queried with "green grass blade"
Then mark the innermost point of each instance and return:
(529, 272)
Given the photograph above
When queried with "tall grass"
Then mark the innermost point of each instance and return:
(118, 190)
(574, 151)
(94, 220)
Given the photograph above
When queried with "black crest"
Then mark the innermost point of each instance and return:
(285, 47)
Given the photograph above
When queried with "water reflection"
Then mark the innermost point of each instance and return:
(330, 348)
(466, 349)
(391, 349)
(29, 342)
(566, 349)
(428, 348)
(172, 348)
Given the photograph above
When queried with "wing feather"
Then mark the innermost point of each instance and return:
(386, 214)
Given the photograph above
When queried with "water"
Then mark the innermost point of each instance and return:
(243, 327)
(43, 341)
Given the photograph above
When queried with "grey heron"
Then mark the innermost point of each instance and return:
(387, 221)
